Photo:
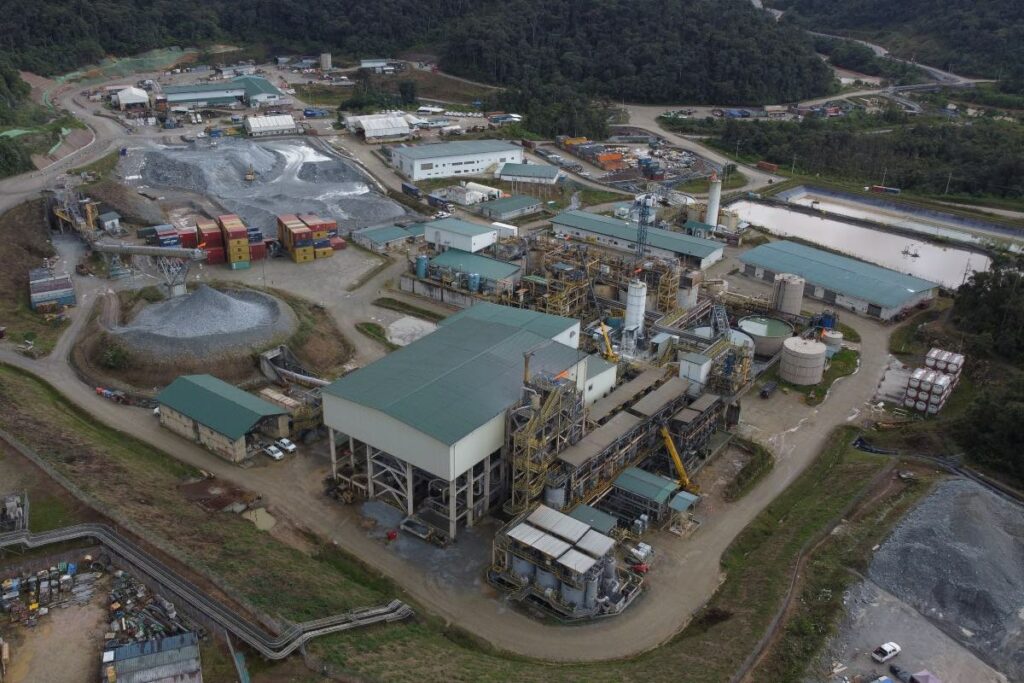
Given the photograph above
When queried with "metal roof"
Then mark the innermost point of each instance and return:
(698, 225)
(601, 438)
(199, 88)
(216, 404)
(705, 401)
(525, 534)
(675, 242)
(459, 227)
(454, 380)
(465, 262)
(256, 85)
(550, 546)
(595, 544)
(385, 234)
(558, 524)
(604, 407)
(273, 123)
(874, 284)
(514, 203)
(110, 216)
(598, 519)
(656, 400)
(544, 324)
(576, 561)
(597, 366)
(683, 501)
(455, 149)
(529, 170)
(686, 415)
(646, 485)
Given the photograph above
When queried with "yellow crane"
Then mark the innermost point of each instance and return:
(609, 352)
(684, 478)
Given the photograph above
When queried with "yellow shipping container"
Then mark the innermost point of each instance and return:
(237, 244)
(319, 234)
(303, 254)
(237, 255)
(324, 253)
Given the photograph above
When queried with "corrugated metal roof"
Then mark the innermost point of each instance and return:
(656, 400)
(675, 242)
(515, 203)
(599, 439)
(705, 401)
(605, 406)
(525, 534)
(874, 284)
(558, 524)
(216, 404)
(256, 85)
(529, 171)
(597, 366)
(258, 124)
(455, 149)
(199, 88)
(544, 324)
(550, 546)
(598, 519)
(152, 645)
(458, 226)
(645, 484)
(575, 561)
(455, 379)
(385, 234)
(465, 262)
(595, 544)
(683, 501)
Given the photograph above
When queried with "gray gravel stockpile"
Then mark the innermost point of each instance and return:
(207, 324)
(958, 558)
(292, 177)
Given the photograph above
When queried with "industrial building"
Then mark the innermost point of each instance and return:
(470, 271)
(48, 291)
(253, 90)
(511, 208)
(447, 159)
(541, 174)
(838, 280)
(379, 127)
(454, 233)
(131, 98)
(173, 659)
(220, 417)
(620, 235)
(262, 126)
(386, 238)
(561, 330)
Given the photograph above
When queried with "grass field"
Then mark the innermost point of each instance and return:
(754, 470)
(735, 180)
(430, 86)
(843, 363)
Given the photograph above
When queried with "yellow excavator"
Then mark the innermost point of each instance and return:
(609, 353)
(684, 478)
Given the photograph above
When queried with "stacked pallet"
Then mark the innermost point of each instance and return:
(945, 361)
(928, 390)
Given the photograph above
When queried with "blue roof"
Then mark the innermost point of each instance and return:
(675, 242)
(841, 274)
(646, 484)
(544, 324)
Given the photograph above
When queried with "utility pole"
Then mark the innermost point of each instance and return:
(885, 171)
(792, 169)
(948, 181)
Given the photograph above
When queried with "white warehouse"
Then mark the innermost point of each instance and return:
(453, 233)
(447, 159)
(425, 425)
(261, 126)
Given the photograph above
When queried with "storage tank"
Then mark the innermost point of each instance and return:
(554, 496)
(788, 293)
(422, 261)
(767, 333)
(714, 201)
(545, 579)
(571, 595)
(636, 304)
(833, 339)
(802, 362)
(474, 282)
(591, 591)
(524, 569)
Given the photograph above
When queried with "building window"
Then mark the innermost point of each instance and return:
(426, 166)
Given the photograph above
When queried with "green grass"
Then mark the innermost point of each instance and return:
(320, 95)
(843, 363)
(47, 511)
(409, 309)
(849, 334)
(754, 470)
(734, 181)
(376, 333)
(906, 339)
(102, 167)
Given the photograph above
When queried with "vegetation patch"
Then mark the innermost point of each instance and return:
(842, 364)
(409, 309)
(849, 334)
(734, 180)
(101, 168)
(759, 464)
(377, 333)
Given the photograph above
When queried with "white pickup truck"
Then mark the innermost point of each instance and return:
(884, 652)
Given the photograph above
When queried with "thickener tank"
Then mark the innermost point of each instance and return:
(833, 339)
(767, 333)
(802, 362)
(788, 293)
(636, 304)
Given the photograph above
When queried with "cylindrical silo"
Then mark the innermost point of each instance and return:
(833, 339)
(767, 333)
(524, 569)
(571, 595)
(802, 362)
(421, 266)
(474, 282)
(714, 201)
(554, 496)
(590, 598)
(788, 293)
(636, 304)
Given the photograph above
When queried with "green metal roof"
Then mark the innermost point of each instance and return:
(456, 379)
(416, 229)
(458, 226)
(683, 501)
(645, 484)
(850, 277)
(211, 402)
(385, 234)
(202, 88)
(543, 324)
(596, 365)
(529, 170)
(465, 262)
(598, 519)
(455, 149)
(256, 85)
(698, 225)
(675, 242)
(515, 203)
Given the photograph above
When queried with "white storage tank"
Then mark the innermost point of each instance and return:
(802, 362)
(788, 293)
(833, 339)
(768, 333)
(636, 304)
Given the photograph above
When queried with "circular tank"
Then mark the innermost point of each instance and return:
(571, 595)
(833, 339)
(788, 293)
(802, 362)
(545, 579)
(422, 261)
(767, 333)
(735, 336)
(636, 304)
(554, 497)
(524, 569)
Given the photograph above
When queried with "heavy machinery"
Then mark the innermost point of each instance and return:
(684, 478)
(250, 174)
(609, 353)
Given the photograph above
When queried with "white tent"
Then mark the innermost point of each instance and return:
(131, 96)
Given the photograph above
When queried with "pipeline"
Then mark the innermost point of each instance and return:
(271, 647)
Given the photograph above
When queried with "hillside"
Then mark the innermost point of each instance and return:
(709, 51)
(981, 37)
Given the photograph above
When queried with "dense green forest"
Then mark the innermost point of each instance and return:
(982, 37)
(980, 158)
(848, 54)
(721, 51)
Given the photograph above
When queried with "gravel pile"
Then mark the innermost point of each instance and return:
(208, 323)
(291, 177)
(958, 558)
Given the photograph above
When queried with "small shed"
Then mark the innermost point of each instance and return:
(109, 221)
(384, 238)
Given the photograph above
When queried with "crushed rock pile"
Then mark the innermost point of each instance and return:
(958, 559)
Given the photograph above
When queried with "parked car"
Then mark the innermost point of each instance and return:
(285, 445)
(273, 452)
(885, 652)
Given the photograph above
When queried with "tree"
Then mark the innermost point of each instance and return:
(407, 92)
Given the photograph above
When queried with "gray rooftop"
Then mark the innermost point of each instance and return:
(675, 242)
(515, 203)
(650, 404)
(465, 262)
(874, 284)
(385, 234)
(529, 170)
(455, 149)
(456, 379)
(605, 406)
(597, 365)
(598, 440)
(458, 226)
(543, 324)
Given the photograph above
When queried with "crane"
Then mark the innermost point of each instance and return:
(609, 352)
(684, 478)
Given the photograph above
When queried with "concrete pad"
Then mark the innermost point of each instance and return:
(406, 330)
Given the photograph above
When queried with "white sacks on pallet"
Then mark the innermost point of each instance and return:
(928, 390)
(945, 361)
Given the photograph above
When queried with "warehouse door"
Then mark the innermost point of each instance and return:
(875, 310)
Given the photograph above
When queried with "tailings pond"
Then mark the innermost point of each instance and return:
(946, 265)
(292, 176)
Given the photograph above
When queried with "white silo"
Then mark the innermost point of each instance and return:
(325, 61)
(802, 362)
(788, 293)
(633, 325)
(714, 201)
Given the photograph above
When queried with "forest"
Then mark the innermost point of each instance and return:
(980, 37)
(848, 54)
(715, 51)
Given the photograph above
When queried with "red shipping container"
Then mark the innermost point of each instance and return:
(257, 251)
(338, 243)
(314, 222)
(214, 255)
(211, 239)
(189, 239)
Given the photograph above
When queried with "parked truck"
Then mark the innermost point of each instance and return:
(411, 190)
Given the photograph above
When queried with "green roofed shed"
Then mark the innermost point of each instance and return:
(646, 485)
(215, 404)
(597, 519)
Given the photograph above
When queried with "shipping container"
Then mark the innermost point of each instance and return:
(323, 253)
(257, 251)
(189, 238)
(884, 189)
(768, 166)
(411, 190)
(303, 254)
(240, 265)
(338, 243)
(214, 255)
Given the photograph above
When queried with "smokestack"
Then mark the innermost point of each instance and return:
(714, 201)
